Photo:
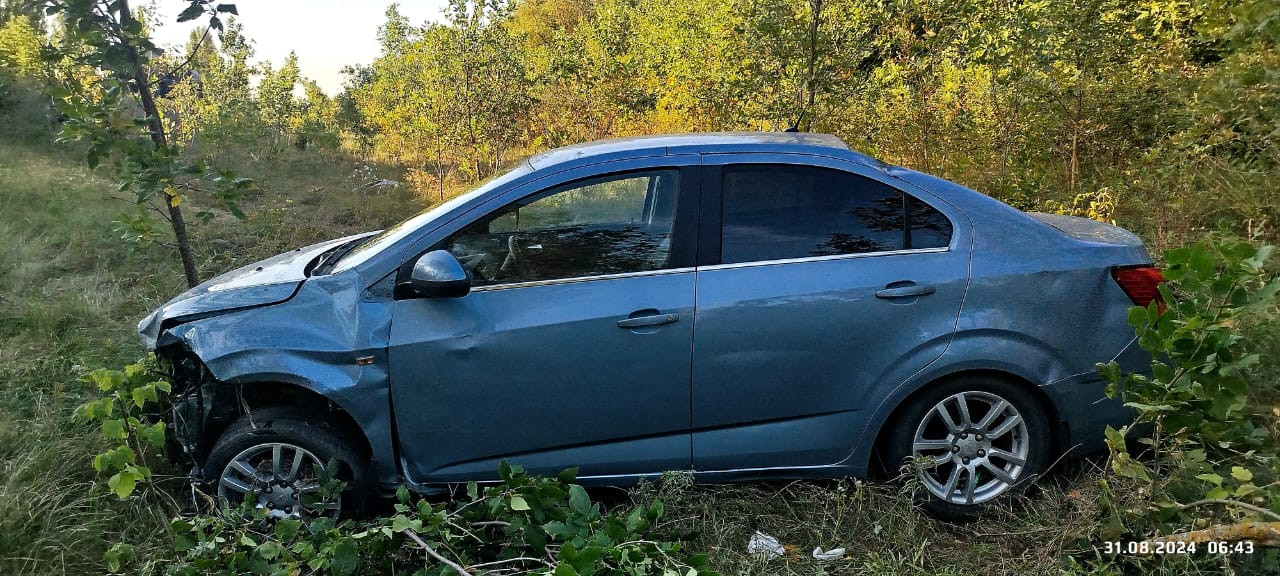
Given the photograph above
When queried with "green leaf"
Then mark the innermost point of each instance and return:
(114, 429)
(1242, 474)
(228, 8)
(345, 558)
(1140, 407)
(118, 556)
(191, 13)
(268, 550)
(656, 510)
(153, 434)
(144, 394)
(565, 569)
(1202, 262)
(106, 380)
(578, 500)
(568, 475)
(1214, 479)
(183, 542)
(518, 503)
(1115, 438)
(122, 483)
(559, 530)
(1137, 316)
(400, 523)
(287, 528)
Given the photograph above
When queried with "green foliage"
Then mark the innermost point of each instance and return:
(1193, 408)
(525, 524)
(21, 49)
(118, 118)
(151, 173)
(128, 398)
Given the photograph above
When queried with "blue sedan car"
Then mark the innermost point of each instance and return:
(741, 305)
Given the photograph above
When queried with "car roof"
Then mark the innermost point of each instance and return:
(704, 142)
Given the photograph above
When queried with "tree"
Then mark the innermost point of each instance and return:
(123, 123)
(275, 94)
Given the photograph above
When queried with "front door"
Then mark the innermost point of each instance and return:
(573, 347)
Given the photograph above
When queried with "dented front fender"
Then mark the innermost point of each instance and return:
(330, 339)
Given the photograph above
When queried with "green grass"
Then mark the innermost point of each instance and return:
(70, 295)
(65, 292)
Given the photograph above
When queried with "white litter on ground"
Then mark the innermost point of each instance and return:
(765, 545)
(832, 554)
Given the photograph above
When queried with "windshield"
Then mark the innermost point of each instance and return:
(402, 230)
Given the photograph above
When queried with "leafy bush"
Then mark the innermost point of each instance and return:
(1206, 453)
(128, 395)
(525, 524)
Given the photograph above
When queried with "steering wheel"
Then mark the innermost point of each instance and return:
(510, 263)
(474, 264)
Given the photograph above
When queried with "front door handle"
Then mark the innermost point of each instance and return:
(650, 320)
(906, 291)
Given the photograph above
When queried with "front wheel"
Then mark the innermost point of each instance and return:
(970, 440)
(277, 458)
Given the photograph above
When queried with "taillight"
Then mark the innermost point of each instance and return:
(1140, 284)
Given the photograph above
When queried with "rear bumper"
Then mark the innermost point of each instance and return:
(1084, 411)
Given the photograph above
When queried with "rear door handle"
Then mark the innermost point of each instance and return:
(650, 320)
(906, 291)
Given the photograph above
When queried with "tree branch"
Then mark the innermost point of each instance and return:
(432, 553)
(510, 560)
(1246, 506)
(488, 523)
(192, 55)
(1263, 534)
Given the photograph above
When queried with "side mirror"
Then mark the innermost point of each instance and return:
(437, 274)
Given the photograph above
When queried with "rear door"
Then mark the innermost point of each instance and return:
(821, 285)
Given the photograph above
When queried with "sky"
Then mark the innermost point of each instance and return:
(326, 34)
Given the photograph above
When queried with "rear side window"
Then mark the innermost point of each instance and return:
(778, 212)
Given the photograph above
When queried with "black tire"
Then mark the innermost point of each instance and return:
(286, 426)
(967, 453)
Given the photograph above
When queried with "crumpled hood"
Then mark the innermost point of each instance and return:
(269, 281)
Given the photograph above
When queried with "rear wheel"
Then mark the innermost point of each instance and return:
(973, 439)
(276, 458)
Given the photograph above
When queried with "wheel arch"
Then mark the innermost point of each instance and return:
(306, 402)
(1043, 399)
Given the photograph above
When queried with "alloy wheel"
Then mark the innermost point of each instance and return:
(972, 447)
(278, 476)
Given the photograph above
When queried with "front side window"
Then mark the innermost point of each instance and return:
(607, 225)
(779, 212)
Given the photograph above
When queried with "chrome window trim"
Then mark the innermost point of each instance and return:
(579, 279)
(755, 263)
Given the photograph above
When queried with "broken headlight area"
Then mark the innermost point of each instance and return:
(199, 407)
